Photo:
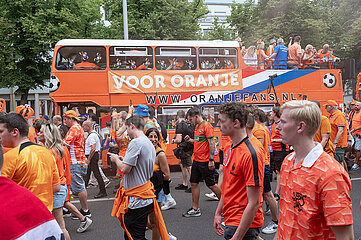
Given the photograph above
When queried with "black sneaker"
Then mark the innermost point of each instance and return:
(66, 213)
(181, 187)
(277, 196)
(188, 190)
(85, 214)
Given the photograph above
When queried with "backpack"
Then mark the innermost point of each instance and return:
(188, 129)
(163, 130)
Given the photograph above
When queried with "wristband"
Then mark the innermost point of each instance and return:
(211, 160)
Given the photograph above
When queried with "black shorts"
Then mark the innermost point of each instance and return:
(277, 159)
(267, 179)
(136, 221)
(201, 171)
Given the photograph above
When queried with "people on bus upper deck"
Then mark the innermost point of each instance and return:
(280, 55)
(243, 48)
(250, 58)
(261, 55)
(325, 56)
(294, 53)
(308, 55)
(270, 49)
(269, 52)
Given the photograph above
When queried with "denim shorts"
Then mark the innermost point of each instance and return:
(78, 172)
(161, 196)
(59, 197)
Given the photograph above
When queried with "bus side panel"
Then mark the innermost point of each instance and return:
(93, 89)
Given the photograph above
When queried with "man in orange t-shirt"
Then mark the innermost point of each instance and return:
(315, 190)
(323, 134)
(261, 132)
(241, 202)
(29, 165)
(280, 150)
(356, 134)
(74, 140)
(203, 166)
(338, 131)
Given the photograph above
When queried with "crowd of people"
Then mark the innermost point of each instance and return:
(278, 56)
(53, 159)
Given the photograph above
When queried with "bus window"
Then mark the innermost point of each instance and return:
(81, 58)
(131, 58)
(217, 58)
(175, 58)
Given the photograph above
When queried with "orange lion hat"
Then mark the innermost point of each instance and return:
(25, 110)
(2, 105)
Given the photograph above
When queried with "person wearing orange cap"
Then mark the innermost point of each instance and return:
(74, 140)
(338, 134)
(26, 111)
(352, 111)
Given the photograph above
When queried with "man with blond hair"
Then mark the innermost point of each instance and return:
(315, 190)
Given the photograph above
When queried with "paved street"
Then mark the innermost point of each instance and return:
(196, 228)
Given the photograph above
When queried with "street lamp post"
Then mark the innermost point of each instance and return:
(125, 20)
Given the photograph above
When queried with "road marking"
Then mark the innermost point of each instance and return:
(95, 200)
(355, 179)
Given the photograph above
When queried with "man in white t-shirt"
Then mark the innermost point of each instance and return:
(92, 151)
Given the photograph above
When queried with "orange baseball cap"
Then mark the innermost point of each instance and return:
(330, 103)
(71, 114)
(353, 102)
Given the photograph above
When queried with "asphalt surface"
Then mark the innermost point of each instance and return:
(195, 228)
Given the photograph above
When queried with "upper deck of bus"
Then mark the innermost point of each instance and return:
(135, 43)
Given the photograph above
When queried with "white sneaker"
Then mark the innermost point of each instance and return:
(107, 184)
(192, 213)
(168, 204)
(270, 228)
(171, 236)
(212, 196)
(355, 167)
(84, 225)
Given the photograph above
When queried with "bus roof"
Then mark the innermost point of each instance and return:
(135, 43)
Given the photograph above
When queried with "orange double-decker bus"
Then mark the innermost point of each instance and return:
(174, 75)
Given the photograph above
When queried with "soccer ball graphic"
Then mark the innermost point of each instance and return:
(329, 80)
(54, 83)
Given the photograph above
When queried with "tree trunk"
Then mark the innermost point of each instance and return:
(24, 96)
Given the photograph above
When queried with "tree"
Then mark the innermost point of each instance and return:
(29, 31)
(220, 31)
(242, 20)
(157, 19)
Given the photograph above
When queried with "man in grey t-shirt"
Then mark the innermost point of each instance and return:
(137, 167)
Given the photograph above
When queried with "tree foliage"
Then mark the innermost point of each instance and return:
(221, 31)
(157, 19)
(29, 31)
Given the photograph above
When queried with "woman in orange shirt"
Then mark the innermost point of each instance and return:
(308, 56)
(50, 137)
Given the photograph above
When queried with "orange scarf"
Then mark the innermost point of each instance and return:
(145, 191)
